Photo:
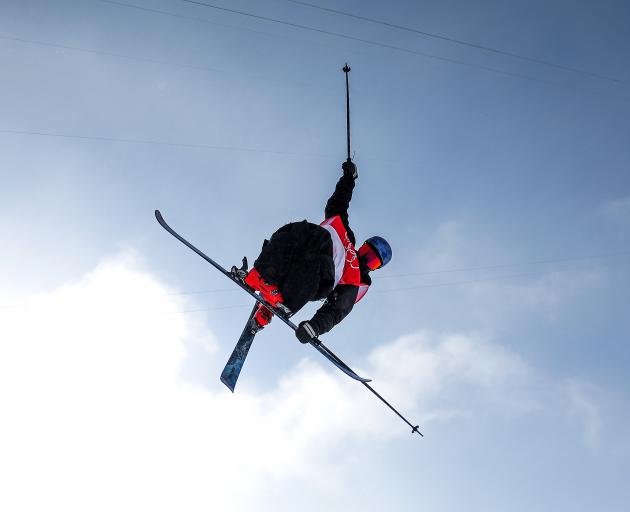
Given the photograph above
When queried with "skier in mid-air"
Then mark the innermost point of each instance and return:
(303, 262)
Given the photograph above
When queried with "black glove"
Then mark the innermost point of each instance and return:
(306, 333)
(350, 169)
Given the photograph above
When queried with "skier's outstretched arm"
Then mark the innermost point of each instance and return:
(339, 202)
(337, 306)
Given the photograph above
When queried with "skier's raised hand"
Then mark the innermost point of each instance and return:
(350, 169)
(306, 333)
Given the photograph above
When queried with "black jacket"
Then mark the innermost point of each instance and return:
(343, 297)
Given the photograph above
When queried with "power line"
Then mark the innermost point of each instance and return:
(459, 41)
(507, 265)
(183, 144)
(159, 143)
(383, 45)
(402, 288)
(377, 291)
(199, 310)
(199, 292)
(212, 308)
(370, 42)
(460, 283)
(298, 84)
(451, 270)
(389, 290)
(211, 22)
(398, 289)
(153, 61)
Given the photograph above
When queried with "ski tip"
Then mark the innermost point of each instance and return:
(228, 384)
(161, 220)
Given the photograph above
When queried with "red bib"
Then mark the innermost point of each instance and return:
(344, 256)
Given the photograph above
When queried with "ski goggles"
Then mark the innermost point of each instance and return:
(370, 256)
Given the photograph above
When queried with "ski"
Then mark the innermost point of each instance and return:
(317, 344)
(233, 367)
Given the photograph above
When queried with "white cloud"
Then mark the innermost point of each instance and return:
(94, 414)
(430, 362)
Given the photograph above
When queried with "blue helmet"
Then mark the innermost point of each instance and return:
(380, 246)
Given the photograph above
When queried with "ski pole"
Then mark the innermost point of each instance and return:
(346, 70)
(414, 428)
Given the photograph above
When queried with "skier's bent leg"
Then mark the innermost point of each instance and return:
(270, 292)
(295, 266)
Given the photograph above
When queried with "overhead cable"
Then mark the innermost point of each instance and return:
(507, 265)
(160, 143)
(370, 42)
(452, 270)
(206, 20)
(378, 291)
(152, 61)
(459, 41)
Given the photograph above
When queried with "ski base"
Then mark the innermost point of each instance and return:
(233, 367)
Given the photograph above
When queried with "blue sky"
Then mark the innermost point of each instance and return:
(500, 325)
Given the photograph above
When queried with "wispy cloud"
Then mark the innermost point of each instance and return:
(436, 365)
(584, 405)
(493, 285)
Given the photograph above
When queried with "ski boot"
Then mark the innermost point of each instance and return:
(261, 319)
(269, 292)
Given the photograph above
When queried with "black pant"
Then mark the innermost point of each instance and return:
(298, 259)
